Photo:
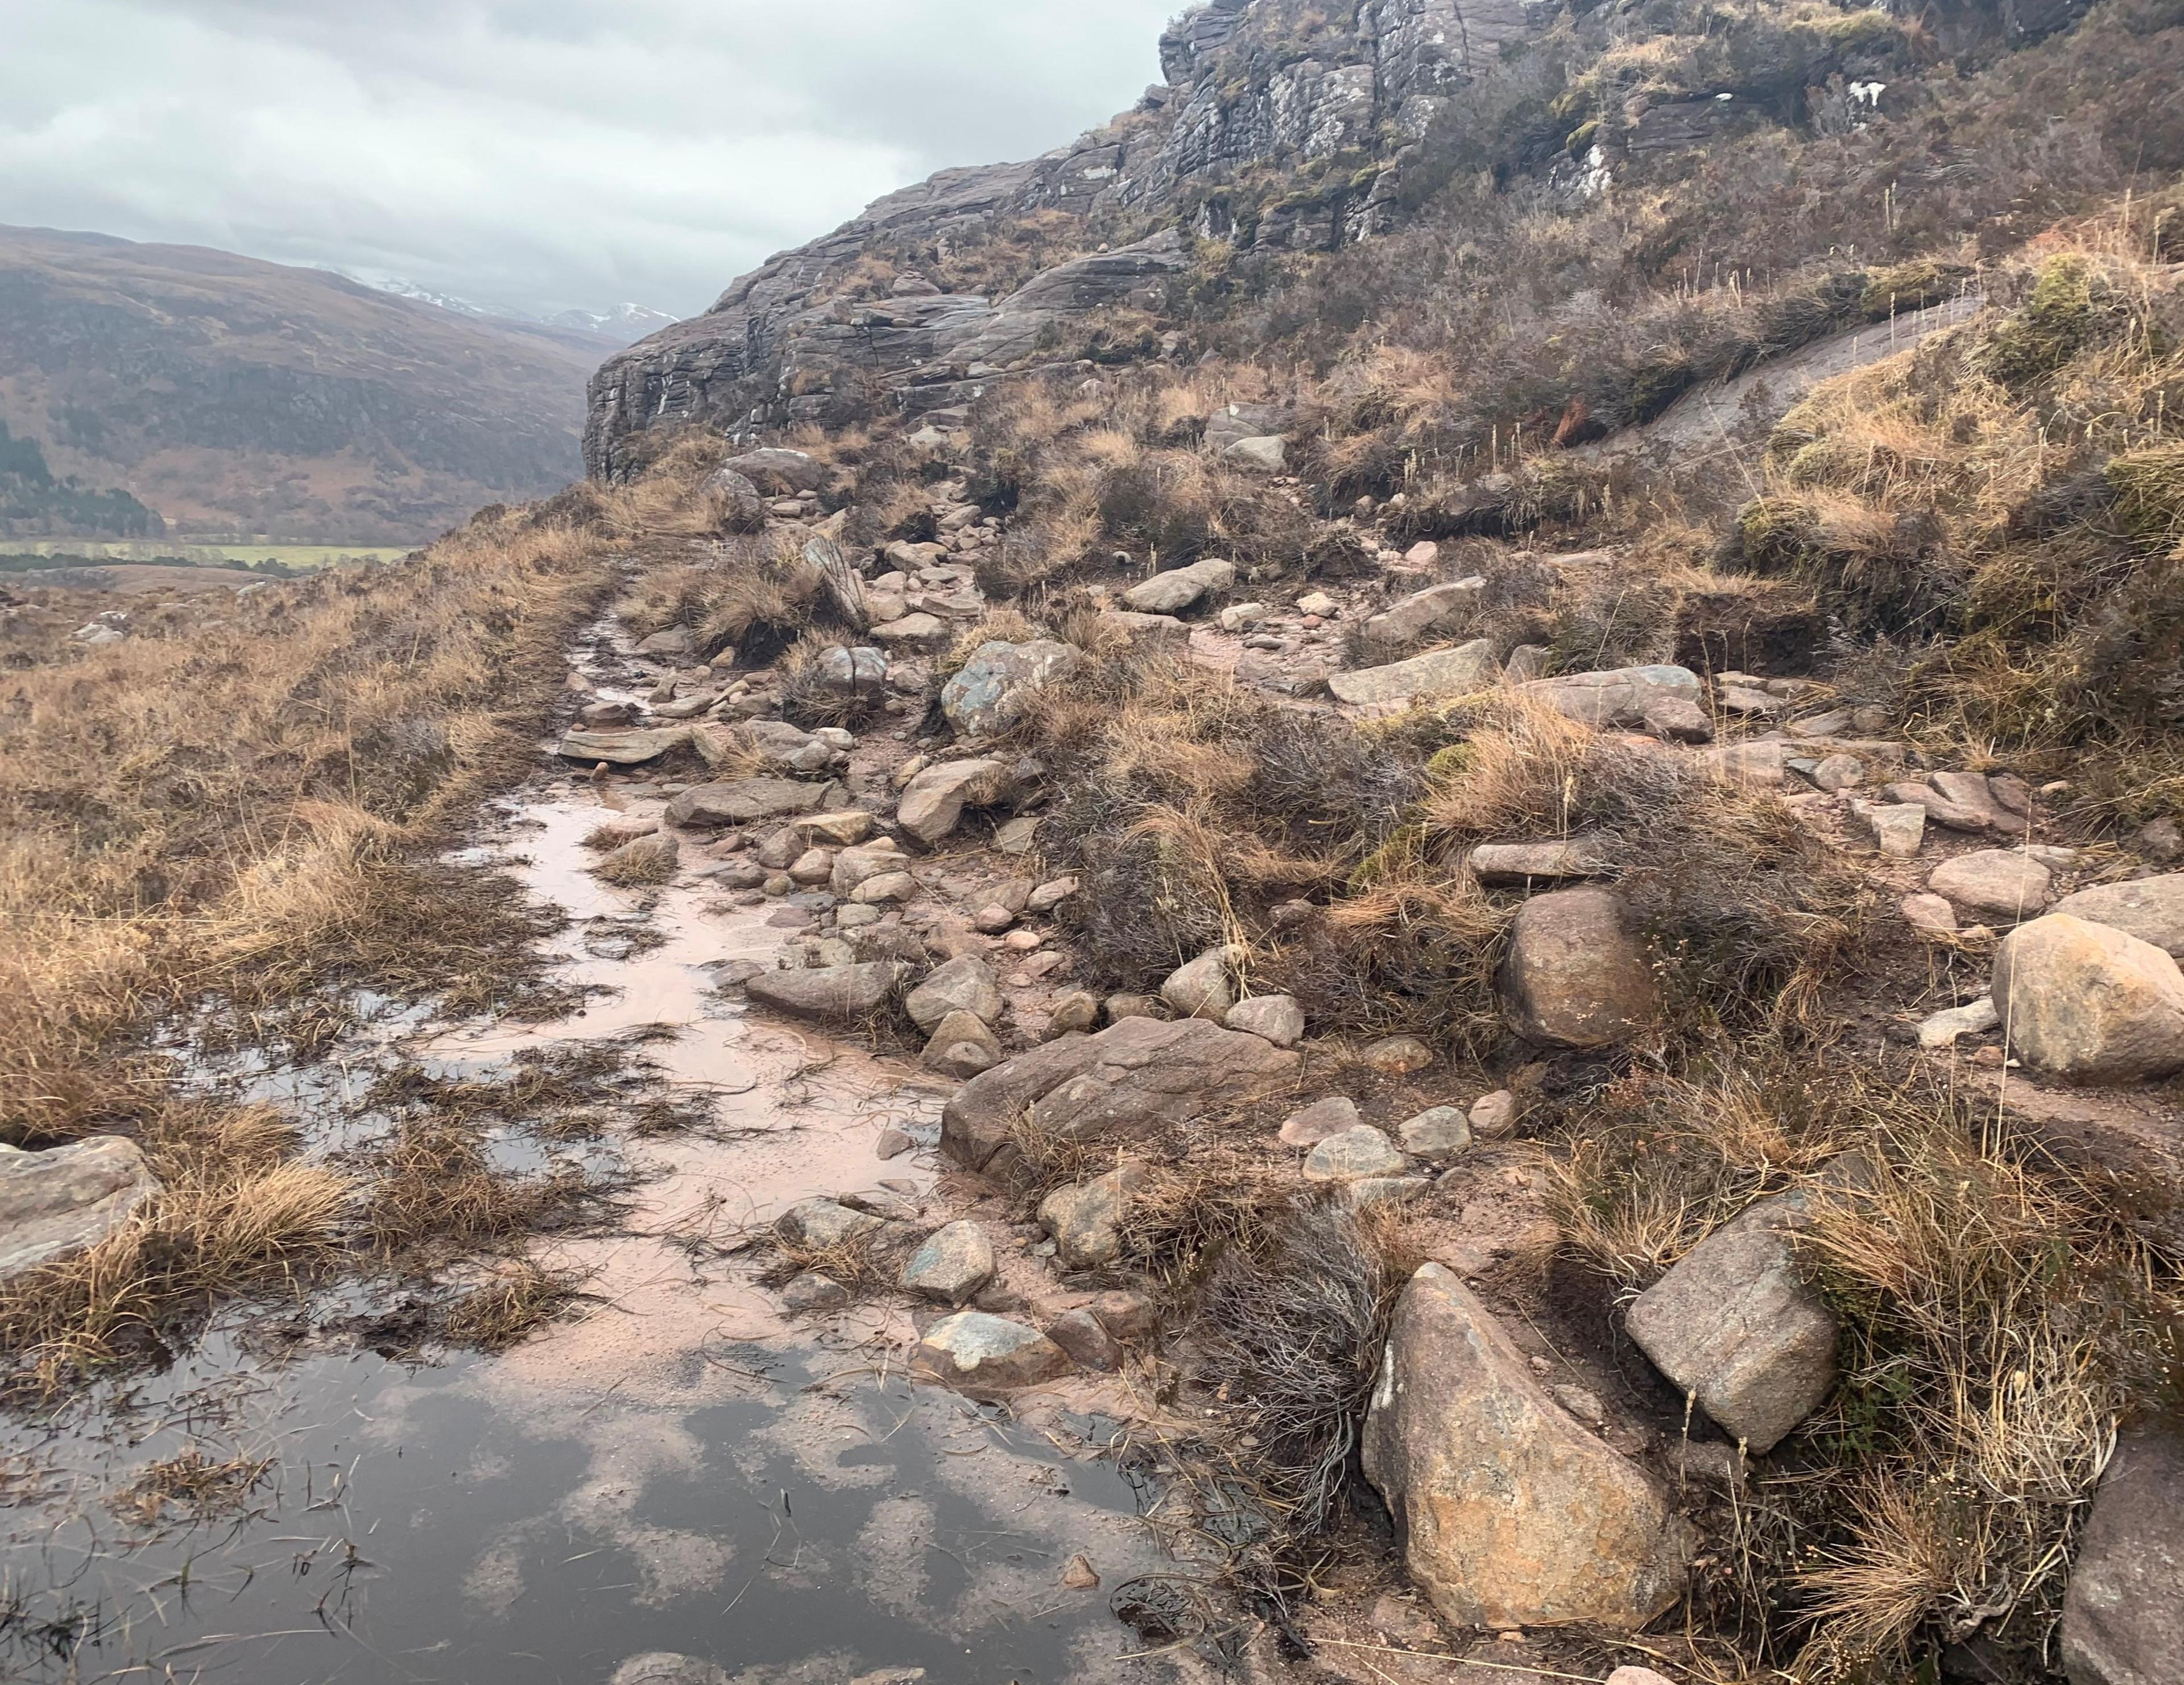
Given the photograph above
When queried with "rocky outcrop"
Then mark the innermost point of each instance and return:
(1131, 1079)
(1511, 1513)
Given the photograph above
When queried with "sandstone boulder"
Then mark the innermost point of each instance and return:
(1180, 587)
(835, 994)
(2123, 1616)
(2086, 1003)
(1995, 883)
(621, 748)
(1575, 975)
(1353, 1155)
(981, 1355)
(951, 1265)
(1431, 610)
(1510, 1514)
(1200, 989)
(932, 802)
(1132, 1079)
(63, 1199)
(994, 688)
(1736, 1325)
(1443, 672)
(1086, 1220)
(1277, 1018)
(1617, 697)
(964, 984)
(745, 801)
(2151, 909)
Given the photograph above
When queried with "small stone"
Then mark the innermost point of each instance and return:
(812, 1291)
(1318, 603)
(977, 1352)
(1277, 1018)
(1358, 1194)
(892, 1143)
(1943, 1028)
(2161, 839)
(1636, 1675)
(1396, 1054)
(1076, 1575)
(1898, 828)
(1494, 1115)
(1131, 1318)
(1440, 1132)
(824, 1224)
(991, 920)
(965, 984)
(1086, 1220)
(1077, 1012)
(952, 1264)
(1200, 989)
(961, 1047)
(1356, 1152)
(778, 883)
(1319, 1120)
(1575, 974)
(813, 865)
(1049, 895)
(1022, 941)
(1120, 1006)
(1679, 719)
(1930, 914)
(1090, 1345)
(1838, 772)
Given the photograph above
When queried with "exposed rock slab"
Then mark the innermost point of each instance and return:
(621, 748)
(1617, 696)
(2123, 1616)
(1442, 673)
(1510, 1514)
(836, 993)
(932, 802)
(1432, 610)
(744, 802)
(1180, 587)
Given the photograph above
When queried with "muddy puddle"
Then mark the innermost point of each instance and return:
(671, 1468)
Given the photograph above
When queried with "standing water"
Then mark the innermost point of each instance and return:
(671, 1468)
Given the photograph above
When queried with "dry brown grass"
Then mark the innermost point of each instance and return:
(522, 1298)
(1999, 1321)
(236, 1212)
(193, 1483)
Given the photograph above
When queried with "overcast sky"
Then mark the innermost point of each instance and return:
(534, 154)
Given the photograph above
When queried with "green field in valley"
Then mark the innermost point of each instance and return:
(294, 558)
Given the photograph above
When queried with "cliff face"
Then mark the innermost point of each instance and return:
(1278, 127)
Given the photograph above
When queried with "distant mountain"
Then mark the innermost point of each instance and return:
(238, 396)
(616, 327)
(625, 324)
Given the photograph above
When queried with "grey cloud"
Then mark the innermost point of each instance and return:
(536, 154)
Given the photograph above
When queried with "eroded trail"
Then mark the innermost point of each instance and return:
(673, 1467)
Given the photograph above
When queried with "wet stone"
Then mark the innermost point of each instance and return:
(976, 1351)
(951, 1265)
(1078, 1333)
(812, 1291)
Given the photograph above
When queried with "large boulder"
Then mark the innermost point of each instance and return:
(1132, 1079)
(1737, 1325)
(992, 689)
(745, 801)
(834, 994)
(1617, 697)
(1411, 617)
(932, 802)
(2151, 909)
(977, 1353)
(962, 984)
(1575, 974)
(1511, 1513)
(1180, 587)
(1444, 672)
(60, 1201)
(621, 748)
(2086, 1003)
(2123, 1616)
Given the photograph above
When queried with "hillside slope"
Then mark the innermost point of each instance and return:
(236, 396)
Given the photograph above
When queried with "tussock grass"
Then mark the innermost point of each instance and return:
(236, 1212)
(1999, 1322)
(522, 1298)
